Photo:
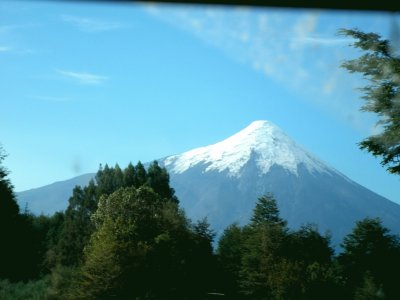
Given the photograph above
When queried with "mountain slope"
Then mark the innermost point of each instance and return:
(53, 197)
(223, 181)
(270, 144)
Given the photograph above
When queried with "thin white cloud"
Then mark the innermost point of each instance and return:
(299, 49)
(91, 25)
(5, 49)
(84, 78)
(306, 25)
(323, 41)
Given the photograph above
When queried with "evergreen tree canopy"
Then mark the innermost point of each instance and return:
(9, 223)
(78, 227)
(230, 253)
(130, 176)
(264, 238)
(381, 67)
(266, 212)
(309, 246)
(158, 180)
(140, 249)
(16, 262)
(264, 260)
(370, 252)
(8, 206)
(141, 174)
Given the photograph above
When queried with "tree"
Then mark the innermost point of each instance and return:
(266, 212)
(276, 263)
(310, 252)
(142, 248)
(309, 246)
(141, 174)
(370, 252)
(18, 252)
(369, 290)
(381, 68)
(105, 180)
(77, 226)
(9, 209)
(158, 180)
(118, 177)
(264, 238)
(229, 255)
(129, 176)
(125, 222)
(9, 225)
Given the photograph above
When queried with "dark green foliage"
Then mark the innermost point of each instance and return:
(158, 180)
(130, 176)
(264, 260)
(51, 230)
(32, 290)
(123, 236)
(381, 67)
(309, 246)
(78, 226)
(118, 177)
(18, 251)
(138, 249)
(266, 212)
(9, 223)
(201, 269)
(369, 290)
(105, 180)
(262, 265)
(371, 256)
(229, 254)
(317, 278)
(141, 175)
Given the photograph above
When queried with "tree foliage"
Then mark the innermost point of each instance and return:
(265, 260)
(18, 251)
(123, 236)
(380, 66)
(142, 248)
(78, 227)
(370, 258)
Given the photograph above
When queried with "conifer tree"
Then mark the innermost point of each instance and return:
(118, 178)
(9, 224)
(266, 212)
(264, 238)
(229, 254)
(141, 175)
(158, 180)
(130, 176)
(14, 232)
(371, 255)
(380, 66)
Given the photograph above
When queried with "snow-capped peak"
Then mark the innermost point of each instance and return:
(267, 142)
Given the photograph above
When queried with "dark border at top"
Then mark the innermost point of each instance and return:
(366, 5)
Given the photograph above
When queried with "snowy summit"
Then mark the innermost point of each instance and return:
(261, 140)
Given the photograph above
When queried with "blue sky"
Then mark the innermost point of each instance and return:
(84, 84)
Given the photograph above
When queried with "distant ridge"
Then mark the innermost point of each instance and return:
(53, 197)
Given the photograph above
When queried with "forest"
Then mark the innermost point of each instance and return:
(124, 236)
